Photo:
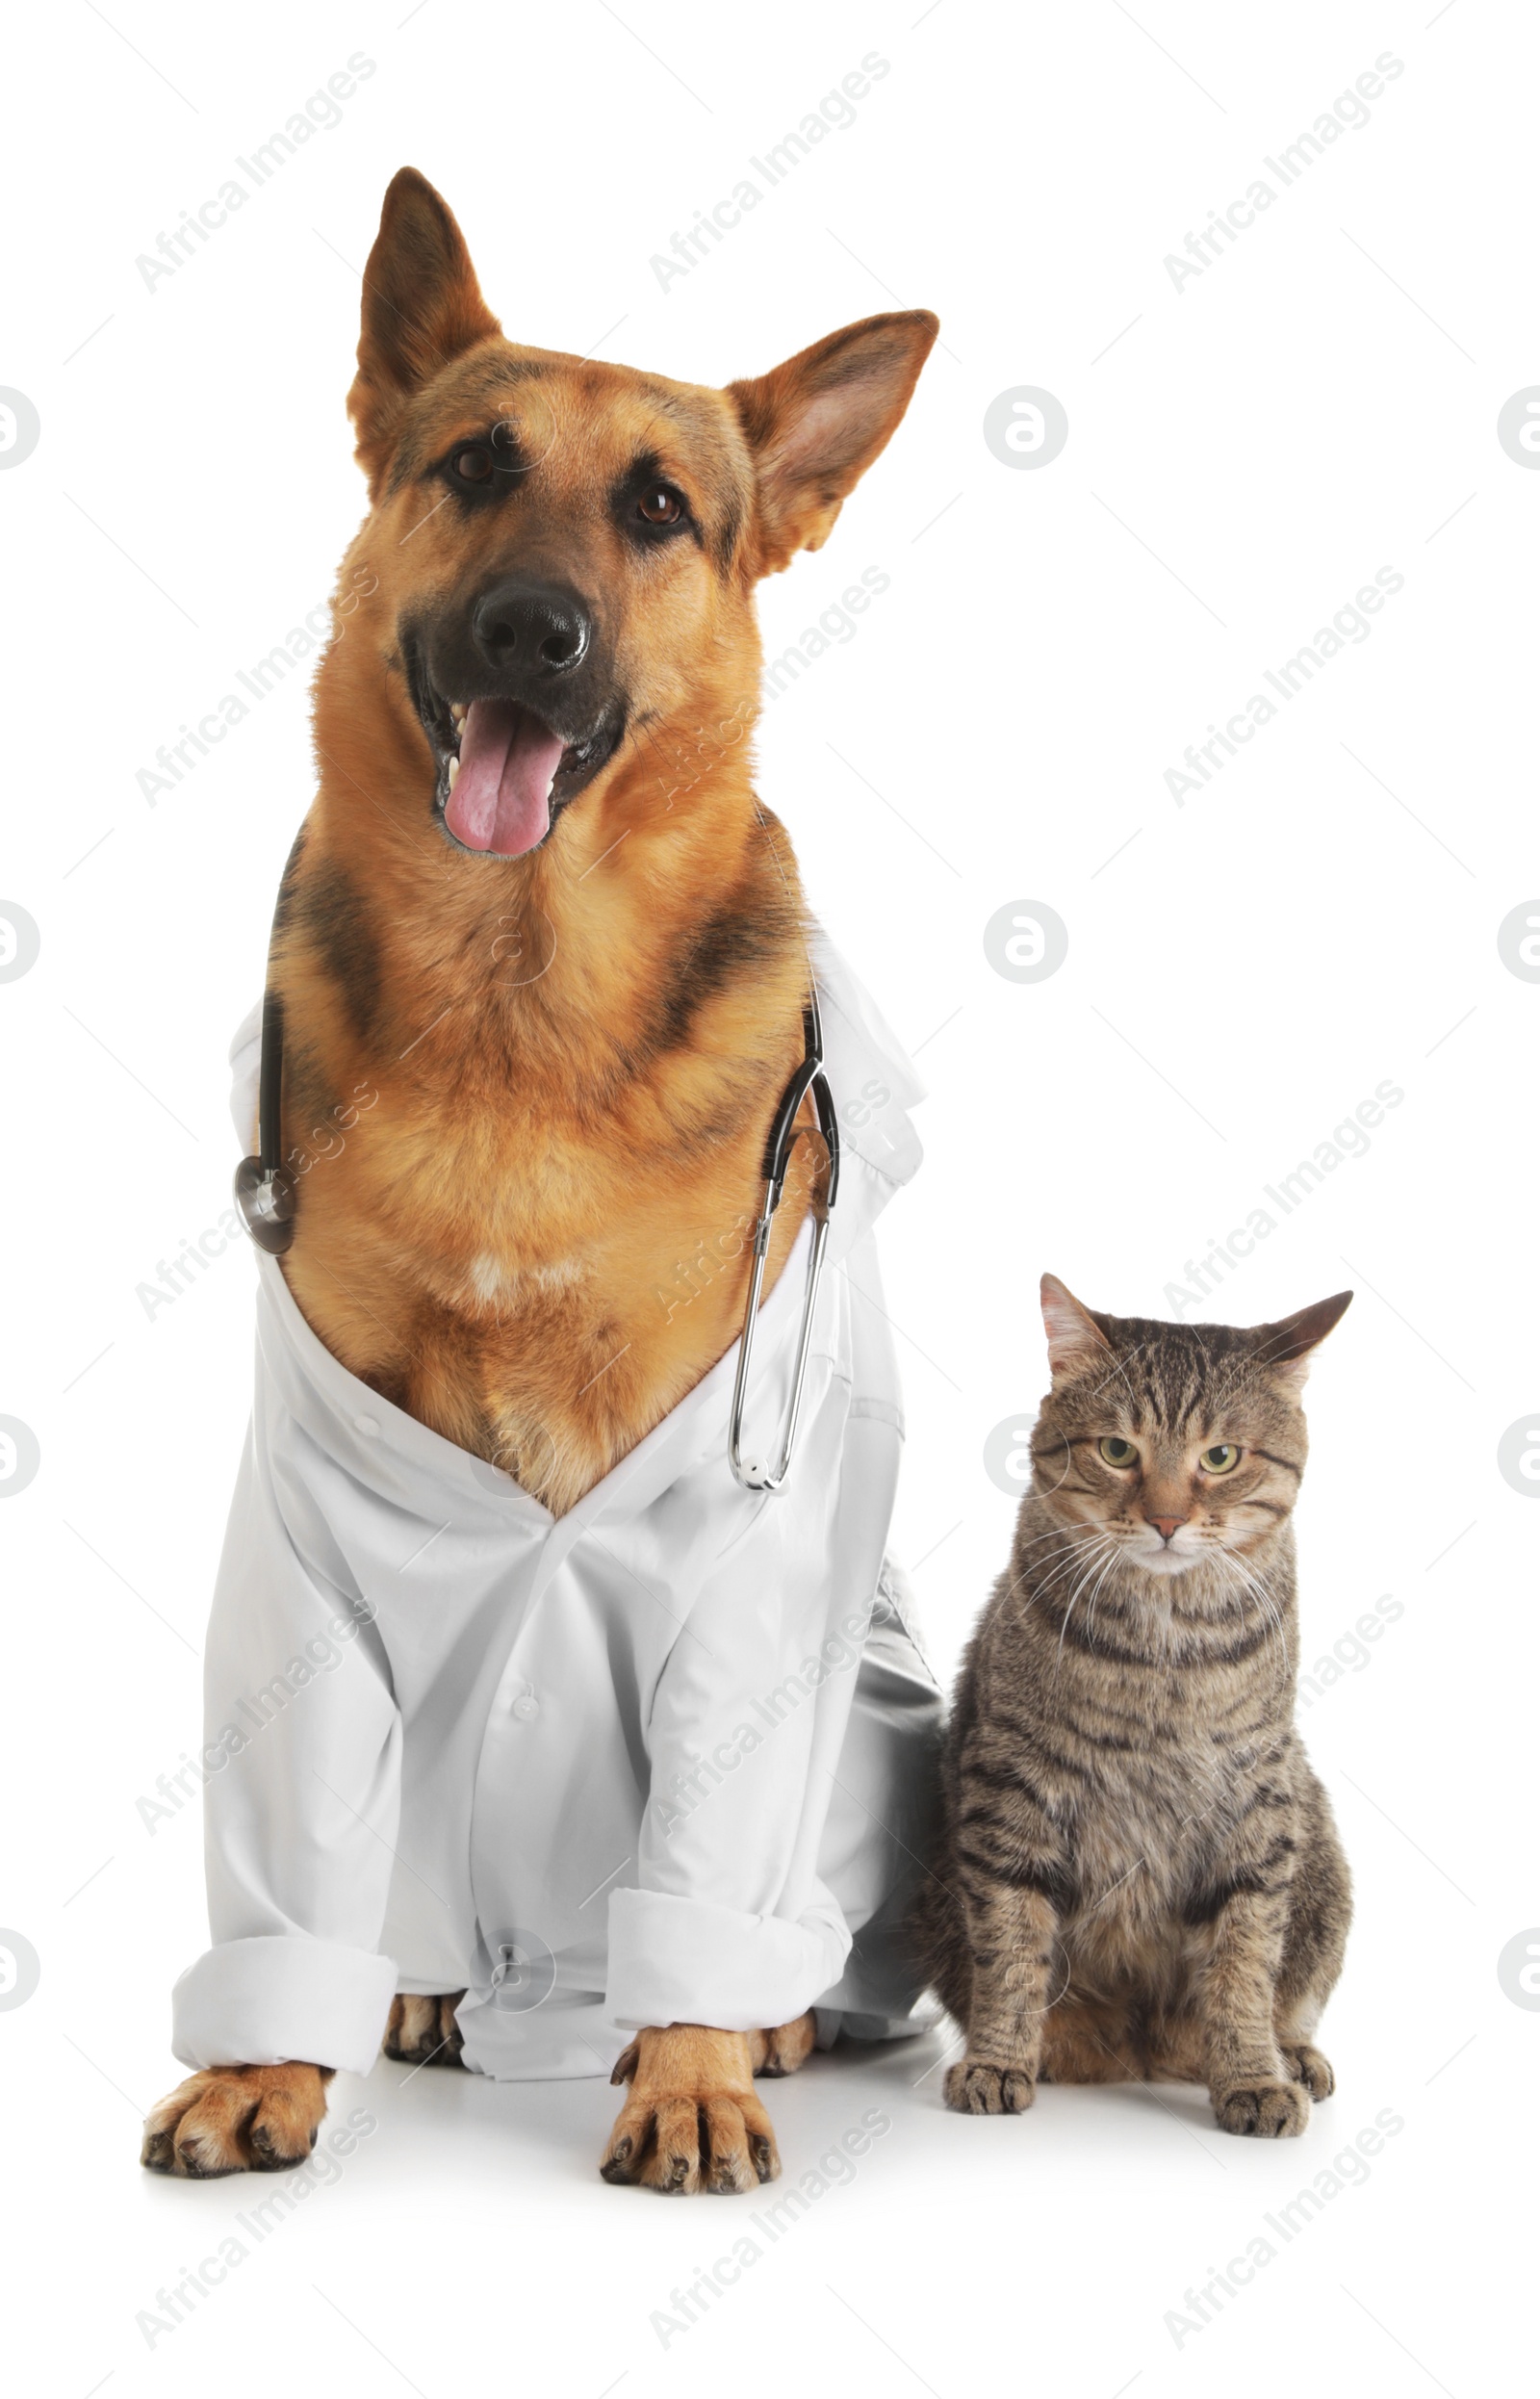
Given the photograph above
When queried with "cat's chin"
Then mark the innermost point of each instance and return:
(1166, 1565)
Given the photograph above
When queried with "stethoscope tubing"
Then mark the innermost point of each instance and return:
(266, 1196)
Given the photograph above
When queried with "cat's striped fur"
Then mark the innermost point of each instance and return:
(1138, 1875)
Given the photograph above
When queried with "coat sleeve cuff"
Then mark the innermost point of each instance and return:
(283, 1996)
(676, 1961)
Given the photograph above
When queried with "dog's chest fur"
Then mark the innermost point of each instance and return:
(526, 1210)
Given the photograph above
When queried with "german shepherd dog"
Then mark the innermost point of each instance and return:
(537, 908)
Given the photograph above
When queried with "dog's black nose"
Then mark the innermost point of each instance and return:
(531, 629)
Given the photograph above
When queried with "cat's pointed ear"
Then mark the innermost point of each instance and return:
(1288, 1346)
(1076, 1342)
(815, 424)
(422, 306)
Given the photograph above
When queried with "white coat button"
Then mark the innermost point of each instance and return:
(526, 1708)
(366, 1424)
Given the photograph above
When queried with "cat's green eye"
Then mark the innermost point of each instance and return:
(1115, 1451)
(1221, 1460)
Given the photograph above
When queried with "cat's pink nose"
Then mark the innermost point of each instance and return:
(1165, 1526)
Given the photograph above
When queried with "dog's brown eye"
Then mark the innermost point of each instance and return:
(474, 464)
(659, 505)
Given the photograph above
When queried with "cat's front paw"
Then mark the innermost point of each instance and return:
(975, 2089)
(1266, 2109)
(1307, 2066)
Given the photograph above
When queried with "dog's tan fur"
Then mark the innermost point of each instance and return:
(526, 1098)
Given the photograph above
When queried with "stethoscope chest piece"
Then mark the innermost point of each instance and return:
(265, 1189)
(265, 1196)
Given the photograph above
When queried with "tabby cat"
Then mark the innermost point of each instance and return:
(1138, 1874)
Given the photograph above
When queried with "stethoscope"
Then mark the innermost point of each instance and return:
(809, 1075)
(265, 1195)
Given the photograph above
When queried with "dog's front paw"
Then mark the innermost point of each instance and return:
(693, 2121)
(976, 2089)
(422, 2031)
(1262, 2108)
(781, 2048)
(236, 2120)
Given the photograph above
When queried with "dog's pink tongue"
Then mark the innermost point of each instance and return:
(502, 795)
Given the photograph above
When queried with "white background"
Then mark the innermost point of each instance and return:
(1243, 454)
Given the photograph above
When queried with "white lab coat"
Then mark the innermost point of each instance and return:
(667, 1758)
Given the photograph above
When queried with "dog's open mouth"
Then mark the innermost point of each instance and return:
(499, 779)
(504, 773)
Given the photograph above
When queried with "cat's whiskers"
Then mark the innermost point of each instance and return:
(1043, 1592)
(1063, 1533)
(1091, 1604)
(1074, 1550)
(1048, 1571)
(1095, 1562)
(1249, 1583)
(1078, 1524)
(1085, 1552)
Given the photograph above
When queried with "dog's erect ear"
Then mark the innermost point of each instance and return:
(1288, 1346)
(422, 306)
(816, 424)
(1076, 1342)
